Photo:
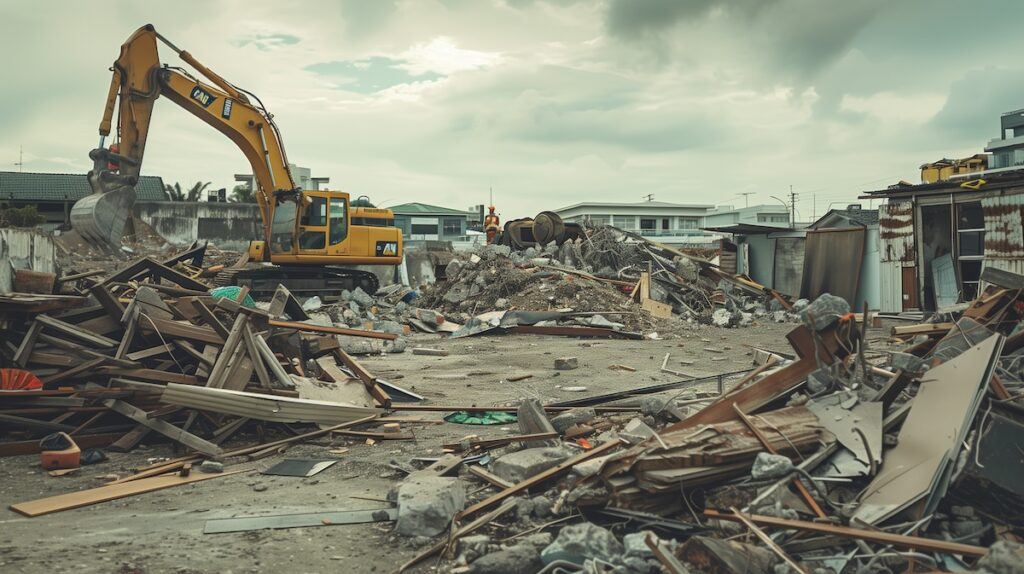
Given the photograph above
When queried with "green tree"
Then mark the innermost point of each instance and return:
(26, 216)
(194, 193)
(242, 194)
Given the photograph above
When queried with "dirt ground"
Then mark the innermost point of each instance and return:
(163, 531)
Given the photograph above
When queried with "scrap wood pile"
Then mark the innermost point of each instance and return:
(147, 351)
(604, 269)
(820, 461)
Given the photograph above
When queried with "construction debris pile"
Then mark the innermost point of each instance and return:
(605, 268)
(150, 348)
(823, 461)
(833, 457)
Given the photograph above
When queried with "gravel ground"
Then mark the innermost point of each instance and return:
(162, 531)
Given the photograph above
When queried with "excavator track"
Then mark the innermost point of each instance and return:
(324, 282)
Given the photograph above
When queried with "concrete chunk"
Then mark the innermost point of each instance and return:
(573, 417)
(518, 466)
(578, 542)
(427, 504)
(566, 363)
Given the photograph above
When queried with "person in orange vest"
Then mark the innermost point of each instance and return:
(491, 224)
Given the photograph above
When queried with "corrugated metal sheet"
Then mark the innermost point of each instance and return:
(896, 232)
(1004, 232)
(890, 286)
(1004, 225)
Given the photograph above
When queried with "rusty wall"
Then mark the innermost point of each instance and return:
(1004, 232)
(896, 232)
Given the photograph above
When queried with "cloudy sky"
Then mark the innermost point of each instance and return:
(550, 102)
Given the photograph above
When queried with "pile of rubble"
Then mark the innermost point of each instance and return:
(607, 269)
(819, 461)
(152, 348)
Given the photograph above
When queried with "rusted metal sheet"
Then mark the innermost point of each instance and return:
(1004, 226)
(896, 232)
(832, 263)
(1004, 232)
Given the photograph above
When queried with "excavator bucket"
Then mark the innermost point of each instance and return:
(100, 218)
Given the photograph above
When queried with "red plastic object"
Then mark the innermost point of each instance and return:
(19, 380)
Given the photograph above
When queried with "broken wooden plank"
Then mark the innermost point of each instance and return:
(876, 536)
(178, 329)
(23, 447)
(489, 477)
(109, 492)
(332, 330)
(922, 329)
(562, 467)
(28, 343)
(76, 332)
(170, 431)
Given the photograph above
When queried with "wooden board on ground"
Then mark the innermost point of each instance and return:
(109, 492)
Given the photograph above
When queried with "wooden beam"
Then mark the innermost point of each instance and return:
(767, 444)
(170, 431)
(876, 536)
(76, 332)
(552, 472)
(769, 542)
(332, 330)
(110, 492)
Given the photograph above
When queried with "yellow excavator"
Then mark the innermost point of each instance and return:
(308, 235)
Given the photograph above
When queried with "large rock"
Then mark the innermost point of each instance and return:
(427, 504)
(520, 465)
(579, 542)
(364, 346)
(519, 559)
(359, 296)
(1004, 557)
(826, 309)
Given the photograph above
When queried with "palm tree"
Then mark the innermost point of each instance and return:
(194, 193)
(242, 194)
(174, 192)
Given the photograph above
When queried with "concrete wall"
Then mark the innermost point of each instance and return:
(25, 249)
(227, 225)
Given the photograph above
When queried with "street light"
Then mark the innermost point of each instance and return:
(785, 206)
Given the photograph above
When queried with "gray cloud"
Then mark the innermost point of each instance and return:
(976, 100)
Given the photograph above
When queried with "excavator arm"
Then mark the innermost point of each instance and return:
(138, 80)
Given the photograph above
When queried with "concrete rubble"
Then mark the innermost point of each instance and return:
(792, 464)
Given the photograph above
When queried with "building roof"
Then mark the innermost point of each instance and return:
(636, 204)
(746, 229)
(425, 209)
(29, 186)
(847, 217)
(994, 179)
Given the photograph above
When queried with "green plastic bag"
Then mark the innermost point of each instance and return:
(231, 292)
(487, 418)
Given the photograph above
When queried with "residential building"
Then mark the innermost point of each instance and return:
(1008, 149)
(937, 238)
(53, 194)
(764, 214)
(425, 222)
(672, 223)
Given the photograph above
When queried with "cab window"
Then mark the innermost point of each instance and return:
(339, 221)
(282, 228)
(314, 219)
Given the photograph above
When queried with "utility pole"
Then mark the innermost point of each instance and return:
(21, 158)
(649, 197)
(746, 200)
(792, 206)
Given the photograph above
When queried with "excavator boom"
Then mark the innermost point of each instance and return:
(303, 230)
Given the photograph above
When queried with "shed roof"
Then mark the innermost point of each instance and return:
(31, 186)
(425, 208)
(864, 217)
